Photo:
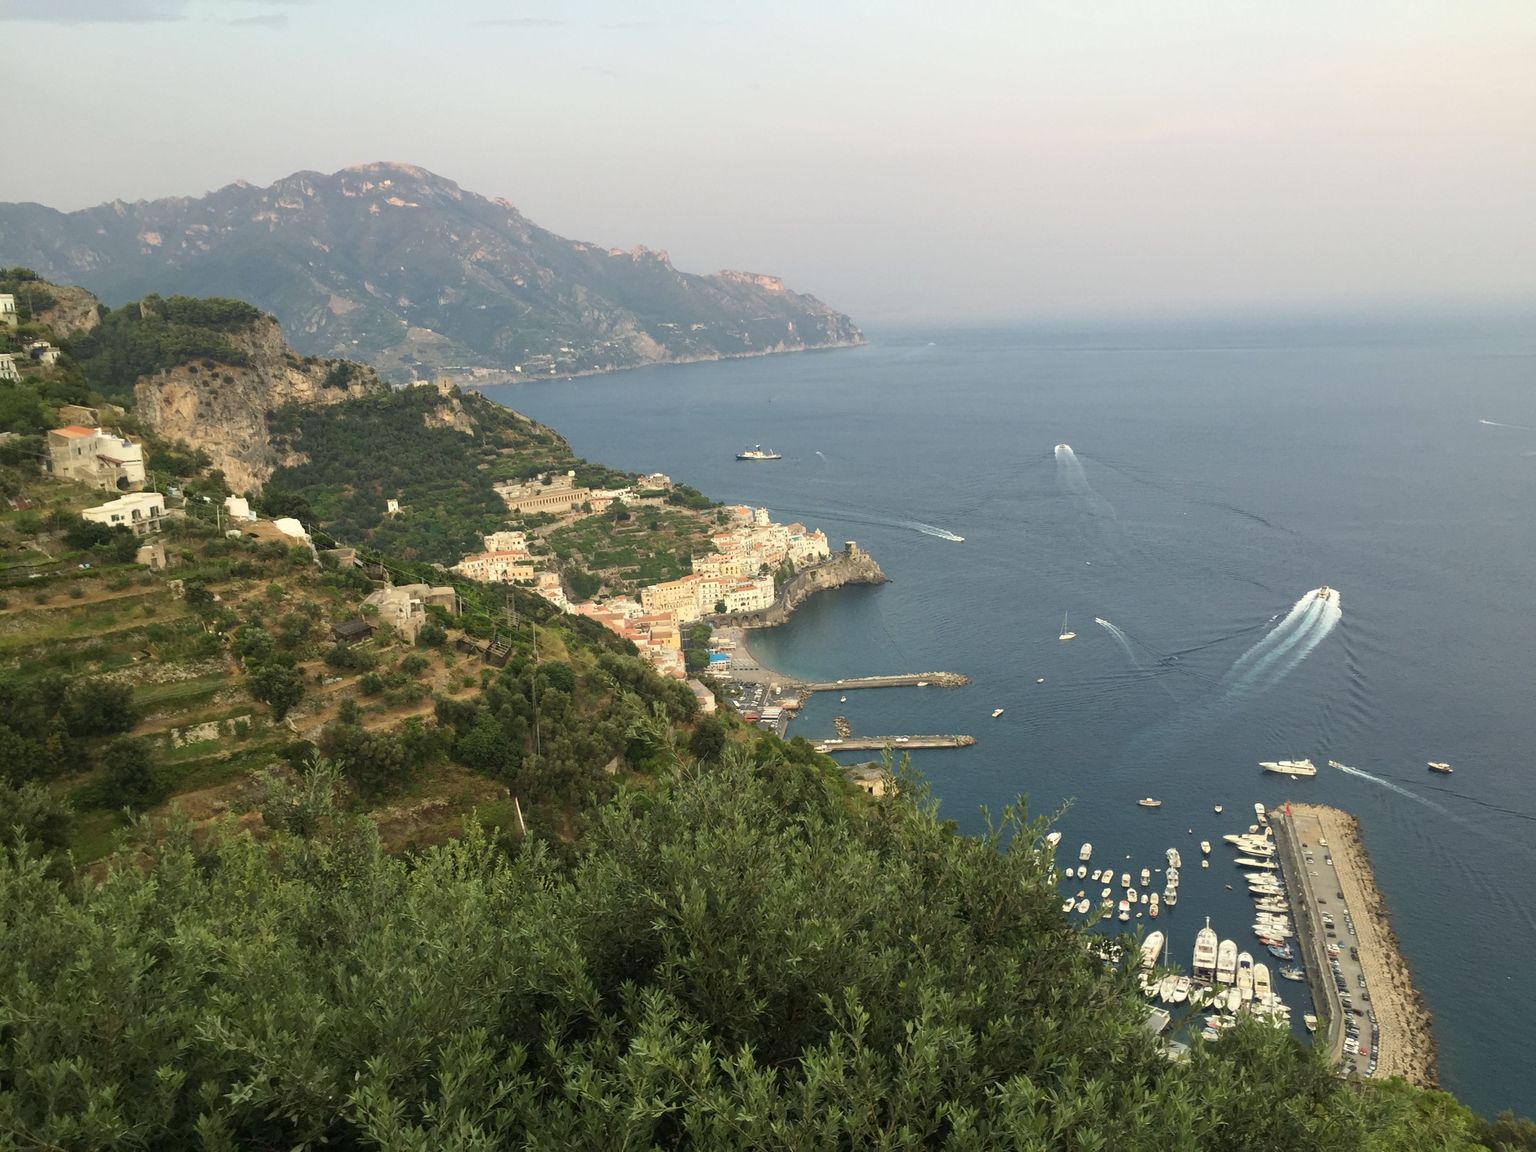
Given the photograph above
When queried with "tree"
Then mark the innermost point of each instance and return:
(708, 739)
(376, 763)
(276, 686)
(131, 780)
(99, 708)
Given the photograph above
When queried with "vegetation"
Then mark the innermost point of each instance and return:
(646, 546)
(155, 334)
(740, 959)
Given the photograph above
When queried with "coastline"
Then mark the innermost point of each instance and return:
(500, 377)
(1407, 1040)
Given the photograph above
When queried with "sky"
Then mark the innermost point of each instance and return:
(901, 160)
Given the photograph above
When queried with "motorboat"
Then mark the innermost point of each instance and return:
(1167, 987)
(1205, 847)
(1053, 838)
(1133, 896)
(1291, 972)
(1281, 952)
(1148, 802)
(1218, 809)
(1146, 877)
(1082, 906)
(1441, 767)
(1258, 812)
(1245, 975)
(1082, 871)
(1226, 962)
(996, 712)
(1323, 594)
(1261, 989)
(1295, 768)
(1170, 897)
(1066, 905)
(1151, 949)
(1125, 879)
(1085, 852)
(1152, 906)
(1125, 910)
(758, 452)
(1310, 1021)
(1174, 859)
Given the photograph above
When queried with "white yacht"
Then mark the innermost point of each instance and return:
(1205, 847)
(1226, 962)
(1066, 633)
(1125, 879)
(1289, 767)
(1146, 877)
(1205, 952)
(1053, 838)
(1258, 812)
(1245, 975)
(1151, 949)
(1085, 852)
(1261, 990)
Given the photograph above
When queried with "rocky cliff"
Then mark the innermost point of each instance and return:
(856, 567)
(223, 409)
(393, 265)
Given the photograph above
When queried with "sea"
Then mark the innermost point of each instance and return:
(1175, 492)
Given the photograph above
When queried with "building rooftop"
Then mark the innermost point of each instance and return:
(74, 430)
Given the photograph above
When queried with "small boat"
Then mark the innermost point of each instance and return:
(1258, 812)
(1082, 906)
(758, 452)
(1152, 906)
(1066, 905)
(1148, 802)
(1172, 876)
(1170, 897)
(1151, 949)
(1281, 952)
(1167, 987)
(1205, 863)
(1125, 879)
(1205, 847)
(1441, 767)
(1146, 877)
(1293, 973)
(1133, 896)
(996, 712)
(842, 699)
(1085, 852)
(1065, 633)
(1310, 1021)
(1218, 809)
(1082, 871)
(1174, 859)
(1039, 679)
(1323, 594)
(1181, 989)
(1053, 838)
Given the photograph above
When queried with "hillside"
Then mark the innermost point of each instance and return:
(393, 265)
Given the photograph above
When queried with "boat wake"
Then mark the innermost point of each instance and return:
(1287, 644)
(1073, 481)
(931, 530)
(1399, 789)
(1121, 639)
(1500, 424)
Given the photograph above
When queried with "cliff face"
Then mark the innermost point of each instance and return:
(843, 568)
(393, 265)
(223, 409)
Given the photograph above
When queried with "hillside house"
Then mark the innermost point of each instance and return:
(92, 456)
(8, 369)
(140, 511)
(404, 607)
(8, 317)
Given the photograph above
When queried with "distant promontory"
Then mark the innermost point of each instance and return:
(403, 269)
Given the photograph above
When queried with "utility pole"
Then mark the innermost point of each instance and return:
(536, 752)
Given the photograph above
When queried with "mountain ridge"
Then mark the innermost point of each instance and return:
(395, 265)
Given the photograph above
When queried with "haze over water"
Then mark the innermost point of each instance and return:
(1216, 475)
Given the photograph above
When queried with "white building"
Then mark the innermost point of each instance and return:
(496, 567)
(505, 541)
(239, 508)
(100, 459)
(405, 606)
(8, 317)
(8, 370)
(141, 511)
(749, 595)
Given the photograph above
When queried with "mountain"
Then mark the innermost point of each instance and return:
(401, 268)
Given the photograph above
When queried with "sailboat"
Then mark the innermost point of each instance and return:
(1065, 634)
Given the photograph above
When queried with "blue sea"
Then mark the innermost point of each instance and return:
(1211, 477)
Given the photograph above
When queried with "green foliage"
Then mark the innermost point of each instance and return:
(46, 718)
(377, 764)
(157, 334)
(130, 779)
(583, 585)
(364, 452)
(277, 686)
(736, 961)
(708, 739)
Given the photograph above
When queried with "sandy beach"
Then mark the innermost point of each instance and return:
(1407, 1044)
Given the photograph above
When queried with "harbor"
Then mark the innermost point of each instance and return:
(1350, 950)
(872, 743)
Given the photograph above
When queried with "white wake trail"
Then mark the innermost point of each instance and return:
(931, 530)
(1391, 787)
(1499, 424)
(1121, 639)
(1290, 642)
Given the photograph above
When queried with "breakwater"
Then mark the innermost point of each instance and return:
(897, 743)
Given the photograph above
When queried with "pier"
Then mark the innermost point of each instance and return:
(897, 743)
(904, 680)
(1334, 901)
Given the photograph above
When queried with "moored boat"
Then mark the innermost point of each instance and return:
(1085, 852)
(1205, 952)
(1226, 962)
(1151, 949)
(1310, 1021)
(1148, 802)
(1205, 847)
(1293, 973)
(1245, 975)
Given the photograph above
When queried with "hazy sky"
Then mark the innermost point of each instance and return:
(898, 159)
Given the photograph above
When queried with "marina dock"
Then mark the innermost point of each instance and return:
(896, 743)
(1334, 902)
(904, 680)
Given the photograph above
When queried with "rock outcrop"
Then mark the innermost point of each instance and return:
(852, 566)
(222, 409)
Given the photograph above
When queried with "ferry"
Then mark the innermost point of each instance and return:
(1085, 852)
(1441, 767)
(758, 452)
(1289, 767)
(1148, 802)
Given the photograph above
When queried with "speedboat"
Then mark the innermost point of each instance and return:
(1085, 852)
(1174, 859)
(1205, 847)
(1066, 905)
(1150, 803)
(1146, 877)
(1441, 767)
(1125, 879)
(1053, 838)
(1293, 973)
(996, 712)
(1310, 1021)
(1151, 949)
(758, 452)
